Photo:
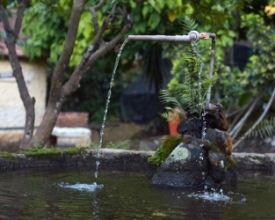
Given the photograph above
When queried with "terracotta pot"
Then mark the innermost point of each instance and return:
(173, 128)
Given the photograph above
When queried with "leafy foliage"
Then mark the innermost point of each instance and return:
(173, 115)
(261, 68)
(49, 20)
(265, 128)
(122, 145)
(189, 92)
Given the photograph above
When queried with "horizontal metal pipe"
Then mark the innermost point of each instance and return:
(164, 38)
(192, 36)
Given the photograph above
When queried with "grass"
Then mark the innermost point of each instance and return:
(39, 152)
(122, 145)
(9, 157)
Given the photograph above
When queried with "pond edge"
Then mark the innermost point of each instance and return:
(118, 158)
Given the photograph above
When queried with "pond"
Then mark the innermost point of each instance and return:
(72, 194)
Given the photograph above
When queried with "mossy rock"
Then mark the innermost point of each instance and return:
(168, 145)
(52, 153)
(9, 157)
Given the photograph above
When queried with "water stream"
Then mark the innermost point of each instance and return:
(201, 104)
(196, 50)
(107, 103)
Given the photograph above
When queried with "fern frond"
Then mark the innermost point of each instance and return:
(188, 24)
(190, 91)
(173, 115)
(208, 82)
(171, 99)
(265, 129)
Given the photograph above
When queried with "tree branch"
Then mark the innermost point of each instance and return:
(108, 46)
(57, 78)
(99, 5)
(99, 31)
(17, 70)
(239, 113)
(19, 17)
(259, 119)
(90, 58)
(6, 22)
(93, 10)
(234, 132)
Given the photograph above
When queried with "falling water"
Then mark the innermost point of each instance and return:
(195, 49)
(107, 104)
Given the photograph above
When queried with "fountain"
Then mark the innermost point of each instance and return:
(123, 192)
(189, 165)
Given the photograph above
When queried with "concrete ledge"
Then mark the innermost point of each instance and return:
(77, 136)
(87, 158)
(123, 159)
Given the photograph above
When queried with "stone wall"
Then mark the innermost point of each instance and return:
(125, 159)
(12, 112)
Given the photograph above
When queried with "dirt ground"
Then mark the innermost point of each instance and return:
(137, 136)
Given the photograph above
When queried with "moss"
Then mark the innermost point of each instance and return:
(261, 159)
(9, 157)
(122, 145)
(230, 163)
(215, 148)
(168, 145)
(52, 152)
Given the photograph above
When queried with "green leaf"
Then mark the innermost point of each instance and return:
(154, 20)
(145, 11)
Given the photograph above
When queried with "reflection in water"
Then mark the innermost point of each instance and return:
(68, 194)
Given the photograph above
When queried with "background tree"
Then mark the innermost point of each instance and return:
(108, 21)
(10, 38)
(59, 90)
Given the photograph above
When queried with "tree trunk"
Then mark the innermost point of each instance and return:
(56, 98)
(48, 122)
(60, 92)
(10, 41)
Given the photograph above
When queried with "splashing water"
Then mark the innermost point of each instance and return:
(107, 104)
(219, 196)
(82, 186)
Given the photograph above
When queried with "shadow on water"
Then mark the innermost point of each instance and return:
(73, 194)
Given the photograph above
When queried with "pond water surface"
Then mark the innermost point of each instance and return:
(73, 194)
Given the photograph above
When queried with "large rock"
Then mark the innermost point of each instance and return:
(185, 167)
(188, 167)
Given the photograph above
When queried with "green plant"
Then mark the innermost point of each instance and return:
(9, 157)
(122, 145)
(264, 129)
(187, 92)
(51, 152)
(168, 145)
